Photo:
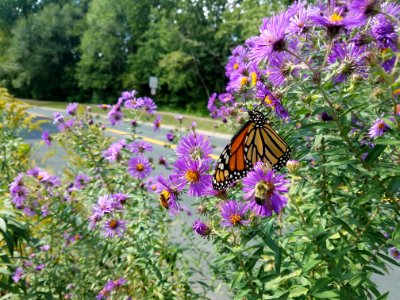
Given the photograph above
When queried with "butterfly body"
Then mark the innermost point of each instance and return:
(255, 141)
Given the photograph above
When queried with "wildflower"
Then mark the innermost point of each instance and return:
(194, 146)
(114, 227)
(139, 147)
(200, 228)
(157, 123)
(280, 67)
(40, 267)
(149, 105)
(119, 200)
(293, 165)
(139, 167)
(113, 153)
(19, 194)
(378, 128)
(233, 213)
(72, 108)
(395, 253)
(163, 161)
(264, 189)
(351, 60)
(179, 118)
(115, 116)
(81, 180)
(170, 136)
(300, 22)
(45, 247)
(151, 184)
(195, 174)
(364, 9)
(134, 103)
(18, 274)
(333, 21)
(272, 38)
(270, 100)
(66, 125)
(384, 32)
(103, 206)
(46, 138)
(58, 118)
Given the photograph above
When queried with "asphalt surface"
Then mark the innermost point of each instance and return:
(157, 139)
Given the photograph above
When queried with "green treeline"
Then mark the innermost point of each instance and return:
(91, 50)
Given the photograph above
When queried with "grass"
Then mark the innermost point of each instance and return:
(168, 117)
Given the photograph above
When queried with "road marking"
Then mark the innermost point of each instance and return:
(121, 132)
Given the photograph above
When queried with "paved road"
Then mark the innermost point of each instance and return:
(385, 283)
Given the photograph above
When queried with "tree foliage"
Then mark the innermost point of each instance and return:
(90, 50)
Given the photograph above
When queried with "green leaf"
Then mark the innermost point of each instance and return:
(374, 153)
(298, 290)
(394, 185)
(387, 142)
(238, 282)
(327, 295)
(3, 225)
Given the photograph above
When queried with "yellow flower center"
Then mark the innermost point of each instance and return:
(253, 78)
(113, 224)
(268, 100)
(335, 18)
(40, 177)
(139, 167)
(381, 125)
(236, 66)
(243, 81)
(192, 176)
(153, 187)
(235, 219)
(396, 92)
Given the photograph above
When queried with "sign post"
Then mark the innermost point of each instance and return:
(153, 83)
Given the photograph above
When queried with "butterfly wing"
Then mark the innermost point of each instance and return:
(232, 164)
(264, 144)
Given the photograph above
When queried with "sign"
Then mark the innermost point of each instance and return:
(153, 82)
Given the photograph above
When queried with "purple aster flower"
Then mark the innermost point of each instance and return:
(139, 167)
(271, 101)
(114, 227)
(272, 38)
(113, 153)
(364, 9)
(119, 282)
(45, 248)
(300, 23)
(383, 30)
(179, 118)
(18, 274)
(149, 105)
(157, 123)
(46, 138)
(195, 174)
(364, 156)
(194, 146)
(104, 106)
(151, 184)
(40, 267)
(395, 253)
(378, 128)
(103, 294)
(351, 61)
(333, 21)
(139, 147)
(58, 118)
(72, 108)
(103, 206)
(280, 67)
(115, 116)
(388, 64)
(233, 213)
(200, 228)
(45, 210)
(170, 136)
(81, 180)
(264, 189)
(128, 95)
(66, 125)
(19, 194)
(29, 212)
(119, 200)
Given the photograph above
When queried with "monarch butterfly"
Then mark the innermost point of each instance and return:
(255, 141)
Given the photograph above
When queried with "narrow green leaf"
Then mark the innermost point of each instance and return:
(327, 295)
(374, 153)
(387, 142)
